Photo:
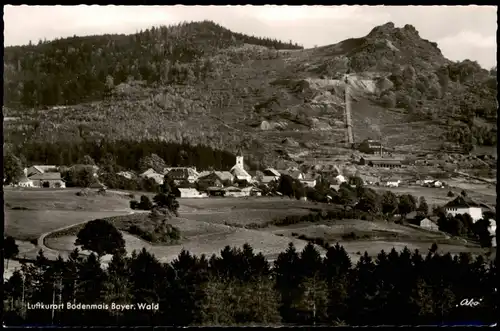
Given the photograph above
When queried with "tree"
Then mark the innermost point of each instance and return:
(12, 168)
(406, 204)
(152, 161)
(389, 203)
(346, 197)
(100, 236)
(10, 248)
(87, 160)
(145, 203)
(356, 181)
(423, 207)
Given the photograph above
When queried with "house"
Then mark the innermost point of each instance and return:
(210, 180)
(40, 169)
(48, 179)
(385, 163)
(225, 176)
(190, 193)
(216, 191)
(340, 179)
(252, 191)
(148, 173)
(98, 185)
(294, 173)
(308, 182)
(26, 182)
(369, 180)
(370, 146)
(266, 180)
(236, 192)
(126, 174)
(411, 217)
(429, 225)
(464, 205)
(238, 170)
(272, 172)
(392, 182)
(183, 175)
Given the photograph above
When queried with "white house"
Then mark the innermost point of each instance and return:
(238, 170)
(126, 174)
(393, 182)
(26, 182)
(308, 182)
(464, 205)
(340, 179)
(429, 225)
(40, 169)
(236, 192)
(191, 193)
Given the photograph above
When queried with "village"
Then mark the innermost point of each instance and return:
(241, 183)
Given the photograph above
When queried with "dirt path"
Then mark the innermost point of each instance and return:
(52, 254)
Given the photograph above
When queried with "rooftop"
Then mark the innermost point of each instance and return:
(462, 202)
(47, 176)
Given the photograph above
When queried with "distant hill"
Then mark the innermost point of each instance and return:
(201, 83)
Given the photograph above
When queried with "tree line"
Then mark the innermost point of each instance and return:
(240, 287)
(128, 155)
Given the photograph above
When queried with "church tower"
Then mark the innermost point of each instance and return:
(239, 159)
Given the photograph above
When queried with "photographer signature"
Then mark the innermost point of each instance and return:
(469, 303)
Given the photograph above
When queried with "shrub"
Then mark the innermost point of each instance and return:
(134, 205)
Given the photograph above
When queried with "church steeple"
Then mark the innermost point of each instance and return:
(239, 159)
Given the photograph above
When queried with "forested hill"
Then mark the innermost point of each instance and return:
(199, 83)
(79, 69)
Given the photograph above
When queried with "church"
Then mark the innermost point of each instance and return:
(238, 170)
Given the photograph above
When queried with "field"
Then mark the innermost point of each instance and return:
(31, 212)
(438, 196)
(208, 225)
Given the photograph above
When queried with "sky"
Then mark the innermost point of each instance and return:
(462, 32)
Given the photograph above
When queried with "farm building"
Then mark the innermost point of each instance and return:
(216, 191)
(148, 172)
(48, 179)
(183, 175)
(236, 192)
(294, 173)
(190, 193)
(98, 185)
(392, 182)
(428, 225)
(252, 191)
(271, 172)
(25, 182)
(370, 146)
(268, 179)
(225, 176)
(308, 182)
(126, 174)
(464, 205)
(385, 163)
(152, 174)
(40, 169)
(340, 179)
(211, 179)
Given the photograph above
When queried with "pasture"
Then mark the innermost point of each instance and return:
(31, 212)
(438, 196)
(374, 237)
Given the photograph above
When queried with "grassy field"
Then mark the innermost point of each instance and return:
(32, 212)
(438, 196)
(374, 237)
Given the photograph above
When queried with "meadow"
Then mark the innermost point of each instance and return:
(208, 225)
